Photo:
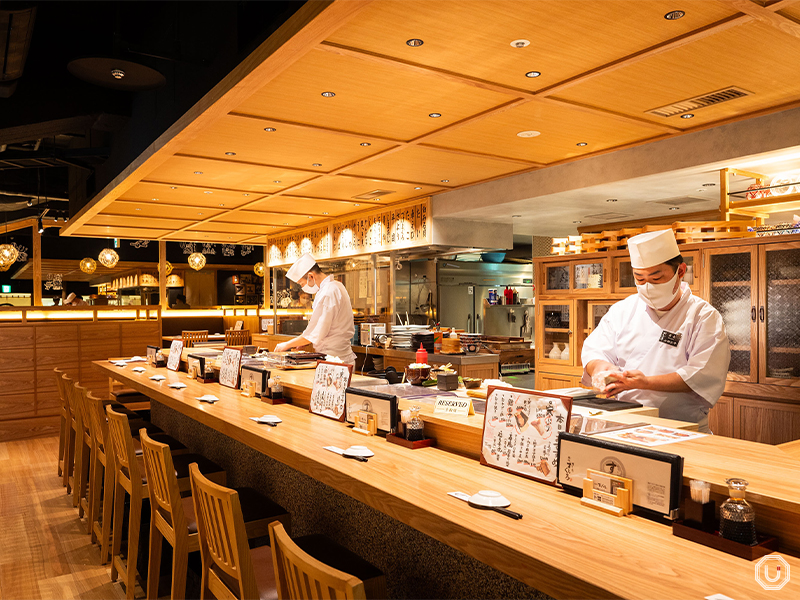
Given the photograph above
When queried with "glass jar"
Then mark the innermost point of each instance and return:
(415, 428)
(737, 519)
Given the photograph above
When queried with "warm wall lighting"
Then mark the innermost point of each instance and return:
(197, 261)
(8, 255)
(108, 258)
(88, 265)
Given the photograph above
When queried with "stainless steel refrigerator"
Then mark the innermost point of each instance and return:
(462, 286)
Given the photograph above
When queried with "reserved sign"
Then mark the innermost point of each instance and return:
(454, 406)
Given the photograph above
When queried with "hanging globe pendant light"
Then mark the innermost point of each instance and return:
(8, 254)
(88, 265)
(258, 269)
(197, 261)
(108, 258)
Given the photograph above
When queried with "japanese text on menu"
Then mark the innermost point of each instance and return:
(328, 391)
(521, 433)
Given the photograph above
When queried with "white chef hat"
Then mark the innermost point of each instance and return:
(300, 267)
(70, 298)
(652, 248)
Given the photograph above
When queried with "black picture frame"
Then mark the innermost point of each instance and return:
(357, 399)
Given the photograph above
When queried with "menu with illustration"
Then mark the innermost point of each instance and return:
(520, 431)
(329, 389)
(229, 367)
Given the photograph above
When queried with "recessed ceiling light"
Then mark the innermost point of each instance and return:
(230, 154)
(417, 188)
(709, 184)
(674, 15)
(532, 74)
(117, 73)
(435, 115)
(581, 144)
(611, 200)
(154, 199)
(356, 204)
(245, 194)
(277, 181)
(221, 204)
(317, 165)
(199, 214)
(700, 190)
(576, 222)
(173, 187)
(328, 94)
(285, 223)
(270, 129)
(528, 134)
(208, 192)
(366, 144)
(198, 172)
(515, 216)
(309, 217)
(445, 180)
(674, 208)
(138, 209)
(324, 213)
(520, 43)
(414, 42)
(687, 116)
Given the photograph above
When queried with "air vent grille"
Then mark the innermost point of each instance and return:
(698, 102)
(373, 194)
(608, 216)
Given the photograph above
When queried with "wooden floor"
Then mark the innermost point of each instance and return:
(44, 549)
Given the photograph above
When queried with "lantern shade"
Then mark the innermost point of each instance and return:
(169, 267)
(88, 265)
(5, 267)
(258, 269)
(8, 254)
(108, 258)
(197, 261)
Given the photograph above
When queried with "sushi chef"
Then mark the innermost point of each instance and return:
(663, 346)
(330, 328)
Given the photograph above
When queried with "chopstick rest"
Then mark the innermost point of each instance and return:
(158, 378)
(178, 385)
(210, 398)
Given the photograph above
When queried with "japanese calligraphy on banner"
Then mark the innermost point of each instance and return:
(397, 227)
(520, 431)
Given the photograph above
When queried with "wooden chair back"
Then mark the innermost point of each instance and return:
(239, 337)
(301, 576)
(79, 406)
(60, 385)
(68, 385)
(223, 539)
(122, 449)
(190, 337)
(98, 425)
(165, 496)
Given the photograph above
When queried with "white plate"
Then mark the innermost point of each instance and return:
(489, 498)
(267, 419)
(360, 451)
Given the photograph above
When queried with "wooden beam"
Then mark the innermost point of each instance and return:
(310, 25)
(724, 198)
(162, 275)
(743, 173)
(768, 15)
(36, 249)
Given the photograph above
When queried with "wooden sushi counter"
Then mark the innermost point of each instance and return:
(559, 547)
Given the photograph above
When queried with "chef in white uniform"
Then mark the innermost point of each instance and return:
(663, 346)
(330, 328)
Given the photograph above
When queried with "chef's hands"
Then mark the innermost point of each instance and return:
(626, 380)
(283, 347)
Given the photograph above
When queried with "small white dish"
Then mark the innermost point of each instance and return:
(489, 499)
(139, 369)
(158, 378)
(177, 386)
(359, 451)
(208, 398)
(267, 419)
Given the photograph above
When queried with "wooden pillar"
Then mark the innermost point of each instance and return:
(724, 199)
(266, 282)
(392, 294)
(162, 274)
(37, 266)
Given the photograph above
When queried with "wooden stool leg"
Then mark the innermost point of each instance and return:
(77, 470)
(95, 491)
(116, 536)
(83, 483)
(180, 565)
(108, 511)
(134, 527)
(69, 457)
(154, 567)
(62, 438)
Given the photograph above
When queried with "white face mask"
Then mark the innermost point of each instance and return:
(658, 295)
(310, 289)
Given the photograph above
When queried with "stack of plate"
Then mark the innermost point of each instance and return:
(401, 335)
(470, 342)
(425, 339)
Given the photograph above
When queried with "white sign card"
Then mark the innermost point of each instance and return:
(651, 435)
(383, 405)
(520, 431)
(175, 351)
(239, 325)
(329, 389)
(229, 367)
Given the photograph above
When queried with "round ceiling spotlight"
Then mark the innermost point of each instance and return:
(414, 42)
(258, 269)
(198, 172)
(117, 73)
(328, 94)
(528, 134)
(29, 202)
(435, 115)
(445, 181)
(270, 129)
(687, 116)
(417, 188)
(576, 222)
(581, 144)
(197, 260)
(366, 144)
(611, 200)
(230, 154)
(520, 43)
(532, 74)
(88, 265)
(173, 187)
(206, 192)
(674, 15)
(108, 258)
(317, 165)
(516, 216)
(325, 213)
(674, 208)
(276, 181)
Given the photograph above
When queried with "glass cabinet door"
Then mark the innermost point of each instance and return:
(778, 320)
(556, 278)
(730, 290)
(589, 277)
(624, 283)
(596, 311)
(556, 332)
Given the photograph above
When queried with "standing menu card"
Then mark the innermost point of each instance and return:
(520, 431)
(175, 351)
(329, 390)
(229, 367)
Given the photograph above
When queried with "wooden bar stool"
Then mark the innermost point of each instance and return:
(65, 421)
(70, 436)
(190, 337)
(173, 518)
(239, 337)
(83, 449)
(130, 477)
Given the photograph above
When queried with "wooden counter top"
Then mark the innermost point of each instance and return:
(559, 547)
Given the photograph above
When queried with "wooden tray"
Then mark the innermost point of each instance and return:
(396, 439)
(766, 545)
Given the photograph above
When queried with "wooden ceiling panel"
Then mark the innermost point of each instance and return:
(162, 194)
(567, 37)
(159, 210)
(342, 187)
(560, 127)
(139, 221)
(375, 99)
(211, 237)
(431, 166)
(225, 175)
(296, 147)
(133, 233)
(303, 206)
(754, 56)
(263, 224)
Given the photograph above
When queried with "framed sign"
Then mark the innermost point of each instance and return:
(520, 431)
(238, 326)
(175, 351)
(329, 391)
(151, 354)
(657, 476)
(258, 375)
(383, 405)
(229, 367)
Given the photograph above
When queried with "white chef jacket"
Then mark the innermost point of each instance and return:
(331, 326)
(629, 336)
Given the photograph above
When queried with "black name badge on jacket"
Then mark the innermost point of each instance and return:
(669, 338)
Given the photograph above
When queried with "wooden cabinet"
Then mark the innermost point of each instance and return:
(554, 381)
(766, 422)
(557, 325)
(720, 417)
(623, 284)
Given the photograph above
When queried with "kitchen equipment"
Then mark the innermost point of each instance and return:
(510, 320)
(370, 330)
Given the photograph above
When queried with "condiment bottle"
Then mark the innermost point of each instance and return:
(422, 355)
(737, 519)
(415, 428)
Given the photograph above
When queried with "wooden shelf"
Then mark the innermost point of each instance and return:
(556, 330)
(783, 282)
(785, 350)
(730, 283)
(741, 348)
